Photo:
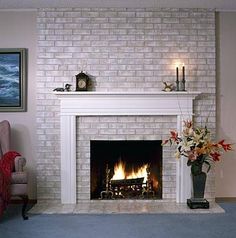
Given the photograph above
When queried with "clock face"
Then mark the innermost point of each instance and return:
(81, 84)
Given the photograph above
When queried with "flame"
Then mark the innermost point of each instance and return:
(120, 173)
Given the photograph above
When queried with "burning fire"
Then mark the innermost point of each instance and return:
(120, 173)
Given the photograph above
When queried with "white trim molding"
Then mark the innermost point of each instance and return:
(74, 104)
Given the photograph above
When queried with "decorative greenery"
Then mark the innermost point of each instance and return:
(197, 146)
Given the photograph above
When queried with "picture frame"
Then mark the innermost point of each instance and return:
(13, 79)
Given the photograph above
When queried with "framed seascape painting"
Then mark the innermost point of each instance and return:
(13, 77)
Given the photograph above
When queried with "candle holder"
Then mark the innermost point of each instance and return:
(177, 79)
(183, 80)
(177, 85)
(183, 85)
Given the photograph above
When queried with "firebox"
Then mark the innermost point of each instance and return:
(128, 169)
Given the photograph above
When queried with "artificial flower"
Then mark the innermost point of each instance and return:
(197, 145)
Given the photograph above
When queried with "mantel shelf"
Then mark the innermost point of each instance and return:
(132, 93)
(126, 103)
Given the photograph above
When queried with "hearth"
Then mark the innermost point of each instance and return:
(129, 169)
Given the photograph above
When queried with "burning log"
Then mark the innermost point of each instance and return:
(126, 188)
(127, 182)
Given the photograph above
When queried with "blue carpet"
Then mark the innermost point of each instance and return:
(221, 225)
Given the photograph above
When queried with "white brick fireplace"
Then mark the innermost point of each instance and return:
(125, 50)
(74, 104)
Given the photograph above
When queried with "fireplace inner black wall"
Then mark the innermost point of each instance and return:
(134, 153)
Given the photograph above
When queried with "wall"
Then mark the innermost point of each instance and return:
(123, 50)
(18, 30)
(226, 98)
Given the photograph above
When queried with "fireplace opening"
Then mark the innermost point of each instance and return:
(129, 169)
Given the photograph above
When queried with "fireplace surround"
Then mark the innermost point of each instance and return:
(73, 104)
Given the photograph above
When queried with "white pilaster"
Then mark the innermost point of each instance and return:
(183, 174)
(68, 159)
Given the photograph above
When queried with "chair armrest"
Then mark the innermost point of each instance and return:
(20, 162)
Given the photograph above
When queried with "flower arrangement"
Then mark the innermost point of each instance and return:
(197, 146)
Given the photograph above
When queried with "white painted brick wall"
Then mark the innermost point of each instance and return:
(124, 50)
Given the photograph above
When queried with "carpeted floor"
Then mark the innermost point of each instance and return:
(221, 225)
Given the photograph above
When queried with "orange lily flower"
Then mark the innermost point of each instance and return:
(174, 136)
(215, 156)
(226, 147)
(188, 124)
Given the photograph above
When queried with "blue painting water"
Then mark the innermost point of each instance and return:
(9, 79)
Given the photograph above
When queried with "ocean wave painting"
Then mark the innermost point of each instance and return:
(9, 79)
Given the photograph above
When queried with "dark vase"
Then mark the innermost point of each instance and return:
(199, 183)
(198, 179)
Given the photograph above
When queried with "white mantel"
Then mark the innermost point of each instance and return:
(74, 104)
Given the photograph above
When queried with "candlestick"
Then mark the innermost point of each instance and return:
(177, 79)
(183, 79)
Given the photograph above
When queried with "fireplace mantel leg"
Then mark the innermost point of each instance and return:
(68, 159)
(183, 179)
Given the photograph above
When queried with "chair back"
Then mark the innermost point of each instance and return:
(5, 133)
